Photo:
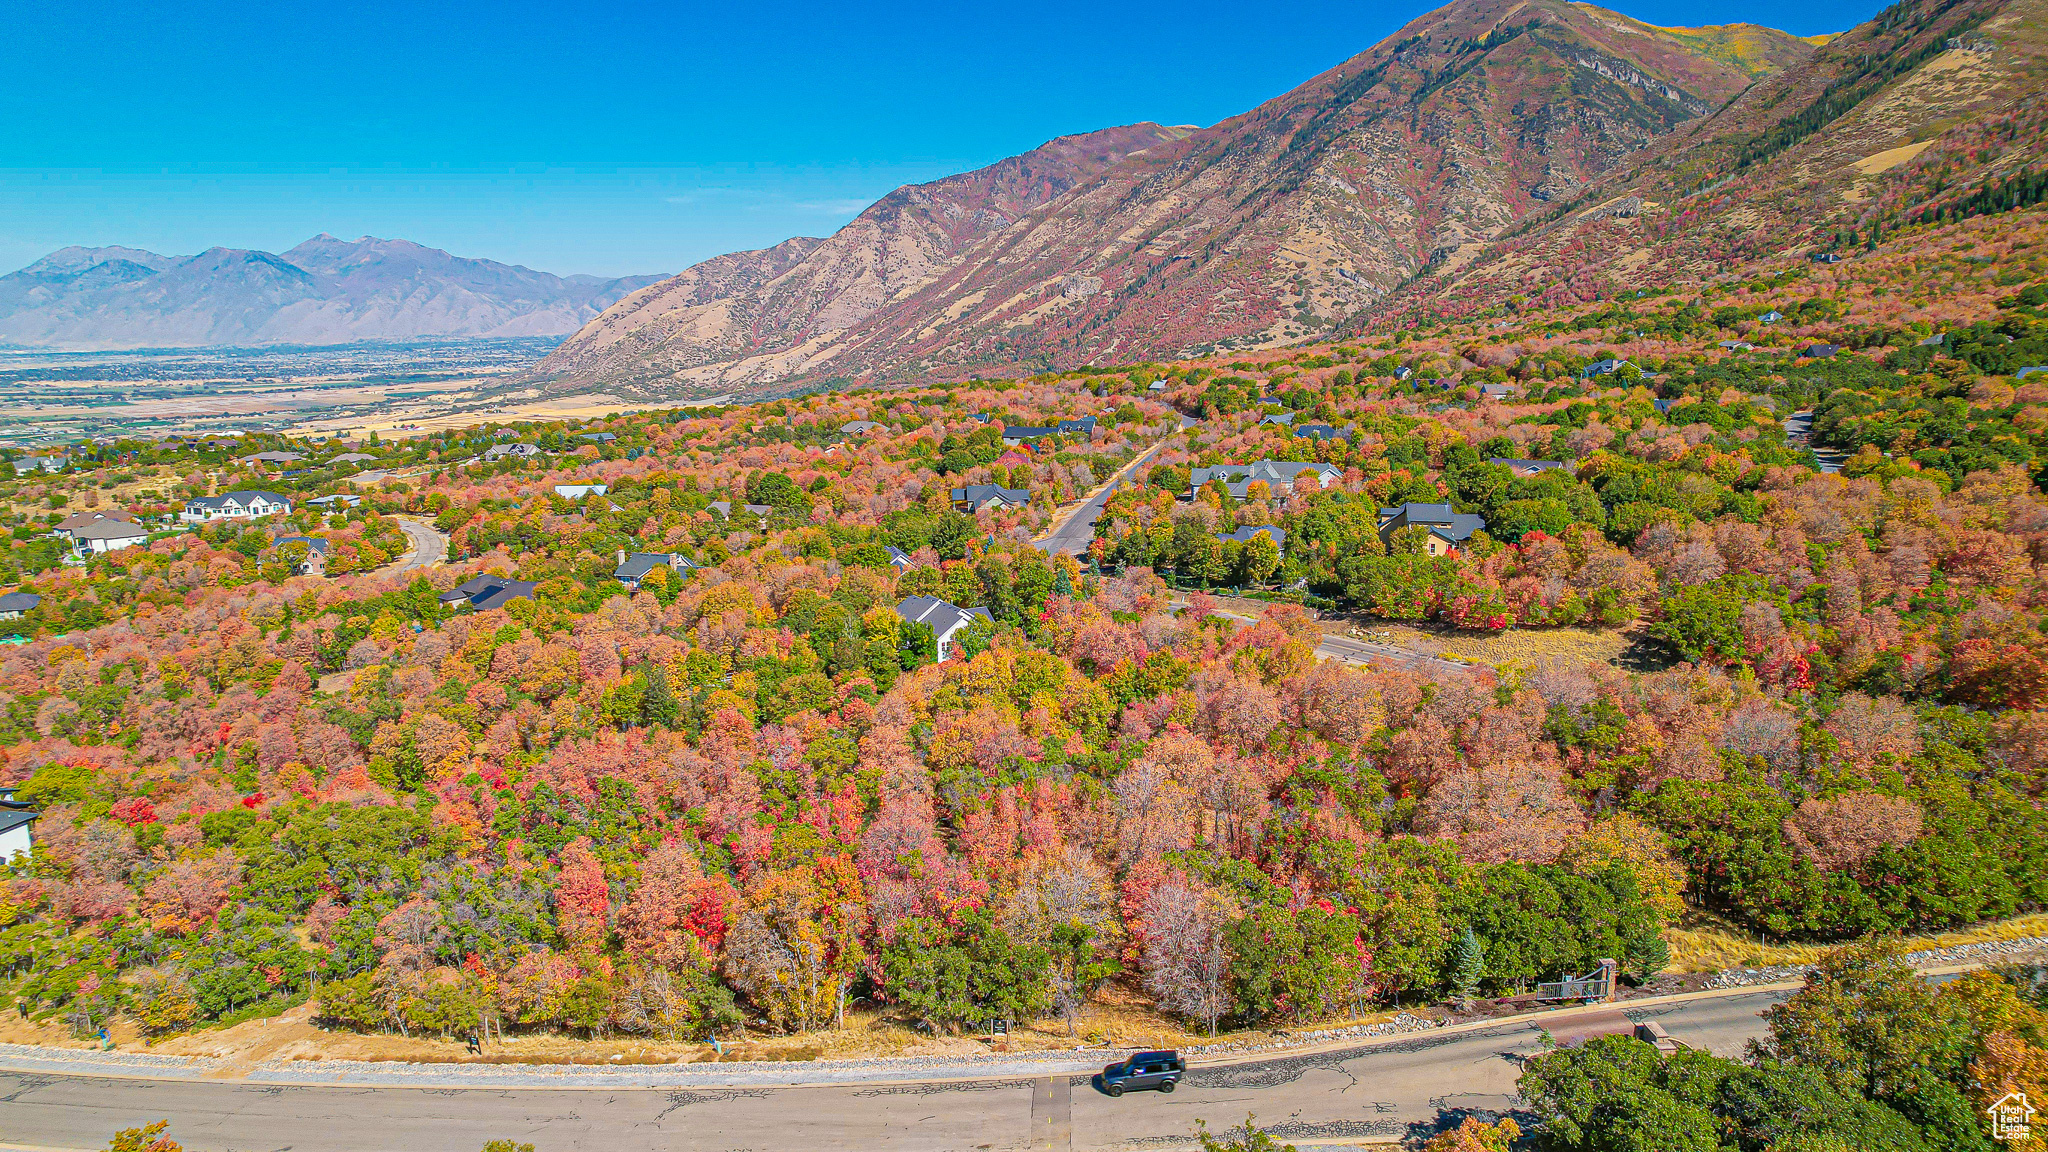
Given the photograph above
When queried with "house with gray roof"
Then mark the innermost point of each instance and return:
(1277, 475)
(310, 553)
(1273, 532)
(1528, 467)
(1281, 419)
(248, 505)
(1448, 530)
(945, 620)
(487, 591)
(15, 604)
(1014, 435)
(17, 825)
(633, 567)
(579, 491)
(975, 497)
(103, 536)
(859, 427)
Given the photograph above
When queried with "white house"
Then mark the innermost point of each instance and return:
(234, 506)
(103, 536)
(42, 463)
(17, 825)
(946, 620)
(497, 452)
(14, 604)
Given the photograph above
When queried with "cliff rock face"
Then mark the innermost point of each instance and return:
(1894, 118)
(1145, 241)
(325, 291)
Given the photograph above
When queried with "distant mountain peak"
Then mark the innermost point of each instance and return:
(324, 291)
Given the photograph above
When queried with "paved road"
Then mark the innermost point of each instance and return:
(1070, 537)
(429, 547)
(1339, 1096)
(1350, 651)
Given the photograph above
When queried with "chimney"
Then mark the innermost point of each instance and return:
(622, 558)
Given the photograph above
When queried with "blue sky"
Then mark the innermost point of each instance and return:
(603, 137)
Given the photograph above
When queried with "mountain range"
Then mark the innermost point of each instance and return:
(1490, 149)
(325, 291)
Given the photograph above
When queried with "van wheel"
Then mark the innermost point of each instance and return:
(1166, 1086)
(1115, 1089)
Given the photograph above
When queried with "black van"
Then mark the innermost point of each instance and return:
(1157, 1070)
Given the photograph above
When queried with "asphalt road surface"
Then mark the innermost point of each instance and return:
(1072, 535)
(1345, 1095)
(429, 547)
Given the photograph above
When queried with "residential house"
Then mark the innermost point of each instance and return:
(1820, 351)
(859, 427)
(274, 458)
(1771, 317)
(1021, 433)
(1403, 372)
(759, 512)
(1156, 386)
(597, 437)
(1605, 367)
(1322, 432)
(579, 491)
(975, 497)
(1825, 257)
(2029, 370)
(79, 520)
(1933, 341)
(1244, 535)
(487, 591)
(42, 463)
(352, 458)
(497, 452)
(341, 499)
(633, 567)
(898, 558)
(946, 620)
(1528, 467)
(1278, 475)
(1738, 345)
(17, 824)
(310, 561)
(1447, 529)
(234, 506)
(102, 536)
(15, 604)
(1281, 419)
(1497, 391)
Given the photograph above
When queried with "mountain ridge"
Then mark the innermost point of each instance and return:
(323, 291)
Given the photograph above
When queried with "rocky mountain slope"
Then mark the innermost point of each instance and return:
(1273, 225)
(1903, 115)
(325, 291)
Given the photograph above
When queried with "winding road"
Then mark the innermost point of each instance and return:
(1070, 536)
(1357, 1092)
(429, 546)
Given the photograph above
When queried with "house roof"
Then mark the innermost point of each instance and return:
(1527, 465)
(1441, 520)
(314, 544)
(273, 458)
(1244, 535)
(12, 818)
(854, 427)
(241, 499)
(489, 591)
(1280, 418)
(1238, 478)
(1322, 432)
(980, 495)
(19, 601)
(351, 458)
(81, 519)
(942, 617)
(638, 564)
(108, 530)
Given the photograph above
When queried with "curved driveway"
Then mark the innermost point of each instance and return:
(1360, 1092)
(429, 546)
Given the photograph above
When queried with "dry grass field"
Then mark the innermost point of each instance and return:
(1711, 945)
